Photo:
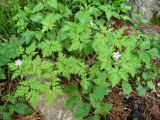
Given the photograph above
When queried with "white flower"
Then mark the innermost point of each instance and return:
(116, 55)
(18, 62)
(91, 23)
(158, 84)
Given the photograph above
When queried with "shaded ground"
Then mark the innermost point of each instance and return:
(35, 116)
(133, 107)
(143, 108)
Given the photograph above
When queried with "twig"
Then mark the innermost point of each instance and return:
(148, 96)
(114, 117)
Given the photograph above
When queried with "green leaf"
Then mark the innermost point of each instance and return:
(109, 14)
(113, 76)
(144, 57)
(89, 89)
(141, 90)
(83, 17)
(145, 75)
(125, 8)
(70, 89)
(84, 2)
(145, 45)
(100, 91)
(135, 119)
(49, 21)
(2, 75)
(82, 110)
(38, 35)
(153, 52)
(71, 102)
(52, 3)
(27, 36)
(8, 50)
(95, 102)
(151, 85)
(94, 117)
(31, 49)
(33, 100)
(4, 60)
(126, 87)
(22, 109)
(115, 80)
(108, 11)
(50, 97)
(6, 116)
(123, 73)
(49, 47)
(38, 7)
(36, 17)
(85, 84)
(102, 76)
(88, 49)
(143, 20)
(108, 107)
(11, 108)
(142, 10)
(125, 17)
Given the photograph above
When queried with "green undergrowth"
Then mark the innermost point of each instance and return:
(74, 42)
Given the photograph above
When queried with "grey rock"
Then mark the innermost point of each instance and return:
(151, 7)
(56, 111)
(157, 8)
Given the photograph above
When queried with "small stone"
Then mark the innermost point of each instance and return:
(56, 111)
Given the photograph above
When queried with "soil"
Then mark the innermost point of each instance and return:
(124, 108)
(133, 106)
(35, 116)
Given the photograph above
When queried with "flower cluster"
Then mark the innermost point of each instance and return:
(18, 62)
(116, 55)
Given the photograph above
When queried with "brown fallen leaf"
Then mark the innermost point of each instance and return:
(158, 78)
(156, 112)
(158, 64)
(130, 32)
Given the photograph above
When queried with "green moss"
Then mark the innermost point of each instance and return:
(155, 19)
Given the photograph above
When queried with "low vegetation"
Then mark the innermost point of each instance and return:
(84, 48)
